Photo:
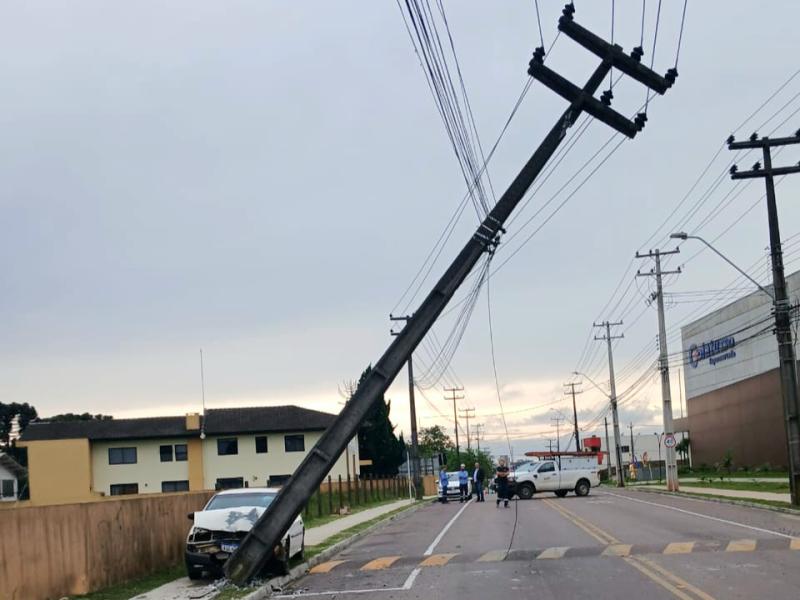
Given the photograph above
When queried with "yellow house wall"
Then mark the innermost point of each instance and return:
(257, 468)
(59, 471)
(148, 471)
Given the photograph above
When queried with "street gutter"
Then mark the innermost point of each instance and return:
(719, 499)
(276, 584)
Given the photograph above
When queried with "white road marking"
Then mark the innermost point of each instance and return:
(439, 537)
(702, 516)
(411, 578)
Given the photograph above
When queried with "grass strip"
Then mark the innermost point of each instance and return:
(129, 589)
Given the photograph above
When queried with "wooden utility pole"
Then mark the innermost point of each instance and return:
(783, 322)
(613, 396)
(454, 396)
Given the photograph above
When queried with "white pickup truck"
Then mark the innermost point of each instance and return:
(545, 476)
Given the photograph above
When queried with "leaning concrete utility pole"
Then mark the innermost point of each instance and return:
(454, 396)
(663, 364)
(613, 396)
(261, 542)
(415, 466)
(572, 392)
(787, 360)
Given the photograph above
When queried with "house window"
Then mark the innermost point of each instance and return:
(227, 446)
(7, 489)
(180, 452)
(174, 486)
(122, 456)
(625, 449)
(120, 489)
(261, 444)
(230, 483)
(166, 453)
(277, 480)
(294, 443)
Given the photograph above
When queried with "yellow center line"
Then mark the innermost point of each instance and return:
(383, 562)
(677, 586)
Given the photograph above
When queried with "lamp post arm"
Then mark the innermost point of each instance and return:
(727, 260)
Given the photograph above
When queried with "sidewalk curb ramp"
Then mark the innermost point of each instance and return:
(276, 584)
(719, 500)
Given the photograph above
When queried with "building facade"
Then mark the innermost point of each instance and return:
(10, 473)
(733, 394)
(80, 461)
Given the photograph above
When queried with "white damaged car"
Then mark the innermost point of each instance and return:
(224, 522)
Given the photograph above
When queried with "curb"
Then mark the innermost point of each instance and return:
(720, 500)
(266, 589)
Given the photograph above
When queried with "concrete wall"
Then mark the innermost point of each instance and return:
(148, 471)
(746, 417)
(256, 469)
(48, 552)
(6, 475)
(59, 471)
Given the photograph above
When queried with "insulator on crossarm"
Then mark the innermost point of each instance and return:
(753, 136)
(538, 55)
(568, 11)
(730, 139)
(757, 166)
(733, 169)
(640, 120)
(637, 53)
(671, 76)
(606, 97)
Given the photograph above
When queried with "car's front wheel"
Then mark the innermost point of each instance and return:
(194, 572)
(582, 488)
(526, 491)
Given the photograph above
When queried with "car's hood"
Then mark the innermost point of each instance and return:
(240, 518)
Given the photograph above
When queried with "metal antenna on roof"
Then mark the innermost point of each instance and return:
(203, 392)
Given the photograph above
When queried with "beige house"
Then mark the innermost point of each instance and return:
(78, 461)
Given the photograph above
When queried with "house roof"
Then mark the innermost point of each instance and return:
(218, 421)
(12, 465)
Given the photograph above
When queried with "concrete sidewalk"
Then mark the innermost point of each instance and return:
(740, 494)
(317, 535)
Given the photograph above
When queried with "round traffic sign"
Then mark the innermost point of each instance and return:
(669, 441)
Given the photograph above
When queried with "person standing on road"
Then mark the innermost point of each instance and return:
(501, 482)
(477, 482)
(443, 481)
(463, 484)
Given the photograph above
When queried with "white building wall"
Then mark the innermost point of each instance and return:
(751, 356)
(6, 475)
(256, 469)
(148, 471)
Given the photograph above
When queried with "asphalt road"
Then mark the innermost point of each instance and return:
(611, 544)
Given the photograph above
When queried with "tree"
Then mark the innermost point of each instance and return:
(683, 447)
(468, 458)
(78, 417)
(26, 414)
(376, 439)
(433, 440)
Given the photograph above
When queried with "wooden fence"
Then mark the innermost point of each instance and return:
(47, 552)
(336, 494)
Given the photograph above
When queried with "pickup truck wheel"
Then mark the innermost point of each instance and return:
(193, 572)
(582, 488)
(561, 493)
(526, 491)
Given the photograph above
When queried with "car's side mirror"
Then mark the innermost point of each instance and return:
(190, 516)
(536, 477)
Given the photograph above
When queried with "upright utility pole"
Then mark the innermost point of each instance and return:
(572, 392)
(258, 546)
(454, 396)
(608, 450)
(613, 397)
(663, 362)
(633, 453)
(416, 472)
(478, 435)
(467, 414)
(783, 323)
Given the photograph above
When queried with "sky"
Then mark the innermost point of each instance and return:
(262, 180)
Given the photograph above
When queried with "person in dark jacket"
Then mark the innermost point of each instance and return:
(501, 481)
(478, 477)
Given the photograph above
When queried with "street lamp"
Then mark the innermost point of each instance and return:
(606, 394)
(685, 236)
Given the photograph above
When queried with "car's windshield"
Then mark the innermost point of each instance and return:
(453, 476)
(236, 500)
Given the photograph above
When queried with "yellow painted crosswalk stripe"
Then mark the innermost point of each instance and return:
(494, 556)
(617, 550)
(383, 562)
(679, 548)
(326, 567)
(551, 553)
(437, 560)
(741, 546)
